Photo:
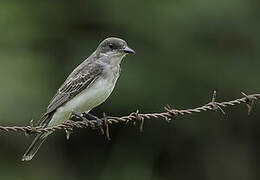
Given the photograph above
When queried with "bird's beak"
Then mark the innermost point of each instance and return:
(128, 50)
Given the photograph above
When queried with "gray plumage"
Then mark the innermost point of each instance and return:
(86, 87)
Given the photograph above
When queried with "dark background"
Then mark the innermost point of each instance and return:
(184, 50)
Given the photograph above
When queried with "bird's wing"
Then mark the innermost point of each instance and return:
(78, 80)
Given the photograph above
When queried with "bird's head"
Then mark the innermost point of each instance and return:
(114, 48)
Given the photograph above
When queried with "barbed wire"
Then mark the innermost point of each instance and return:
(136, 117)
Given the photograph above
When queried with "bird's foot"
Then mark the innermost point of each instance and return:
(92, 117)
(76, 116)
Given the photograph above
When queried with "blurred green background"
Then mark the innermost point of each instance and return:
(184, 50)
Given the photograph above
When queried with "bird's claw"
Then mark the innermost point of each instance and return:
(90, 116)
(76, 116)
(85, 118)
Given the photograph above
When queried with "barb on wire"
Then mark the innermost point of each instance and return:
(249, 102)
(134, 117)
(140, 119)
(106, 126)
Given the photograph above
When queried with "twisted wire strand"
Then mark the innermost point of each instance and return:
(138, 117)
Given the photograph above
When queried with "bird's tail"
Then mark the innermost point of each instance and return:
(36, 144)
(38, 140)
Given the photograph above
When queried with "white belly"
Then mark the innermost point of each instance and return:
(89, 98)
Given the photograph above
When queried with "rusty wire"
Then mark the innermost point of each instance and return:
(137, 117)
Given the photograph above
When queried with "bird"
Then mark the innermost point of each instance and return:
(89, 85)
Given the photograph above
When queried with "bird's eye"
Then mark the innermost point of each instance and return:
(111, 46)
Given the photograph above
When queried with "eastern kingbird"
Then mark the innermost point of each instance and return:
(89, 85)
